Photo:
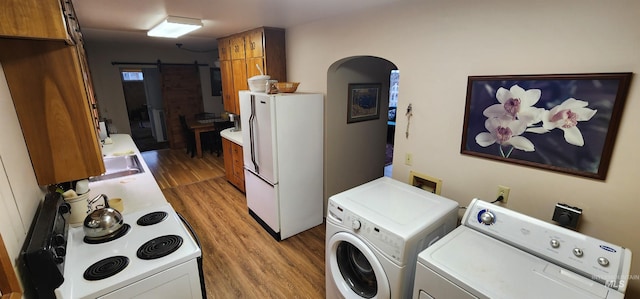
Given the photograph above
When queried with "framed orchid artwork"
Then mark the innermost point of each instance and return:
(564, 122)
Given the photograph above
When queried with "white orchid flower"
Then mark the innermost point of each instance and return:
(505, 133)
(566, 116)
(516, 103)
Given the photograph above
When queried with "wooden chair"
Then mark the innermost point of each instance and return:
(189, 137)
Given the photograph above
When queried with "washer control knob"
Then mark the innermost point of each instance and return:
(603, 261)
(355, 224)
(487, 218)
(554, 243)
(578, 252)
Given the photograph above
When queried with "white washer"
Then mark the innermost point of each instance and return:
(498, 253)
(374, 234)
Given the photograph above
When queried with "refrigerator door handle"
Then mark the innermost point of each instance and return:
(252, 145)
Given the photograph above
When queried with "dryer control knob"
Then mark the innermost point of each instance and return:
(578, 252)
(487, 218)
(355, 224)
(603, 261)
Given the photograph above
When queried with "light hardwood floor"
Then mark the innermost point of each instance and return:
(240, 259)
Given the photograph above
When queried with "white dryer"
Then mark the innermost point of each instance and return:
(374, 234)
(498, 253)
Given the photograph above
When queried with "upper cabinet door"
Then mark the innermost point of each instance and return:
(224, 49)
(51, 101)
(254, 46)
(37, 19)
(237, 47)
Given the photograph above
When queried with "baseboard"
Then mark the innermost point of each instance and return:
(265, 226)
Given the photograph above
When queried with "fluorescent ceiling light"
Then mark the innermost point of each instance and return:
(174, 27)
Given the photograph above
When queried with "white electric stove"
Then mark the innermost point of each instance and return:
(156, 258)
(499, 253)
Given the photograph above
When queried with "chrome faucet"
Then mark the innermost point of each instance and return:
(236, 122)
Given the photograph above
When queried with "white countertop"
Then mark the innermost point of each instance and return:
(233, 136)
(138, 191)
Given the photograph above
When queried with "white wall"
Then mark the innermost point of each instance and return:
(19, 191)
(437, 44)
(107, 81)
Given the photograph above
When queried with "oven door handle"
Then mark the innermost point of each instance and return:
(191, 231)
(199, 260)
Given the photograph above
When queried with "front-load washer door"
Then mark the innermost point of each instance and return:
(355, 270)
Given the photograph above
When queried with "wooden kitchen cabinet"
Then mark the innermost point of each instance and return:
(224, 53)
(263, 46)
(254, 46)
(237, 47)
(233, 163)
(224, 49)
(239, 71)
(38, 19)
(50, 84)
(228, 100)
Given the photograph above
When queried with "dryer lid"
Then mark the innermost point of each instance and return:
(394, 204)
(486, 267)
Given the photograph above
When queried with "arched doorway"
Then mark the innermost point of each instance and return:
(354, 152)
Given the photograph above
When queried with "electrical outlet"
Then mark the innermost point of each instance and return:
(408, 159)
(504, 191)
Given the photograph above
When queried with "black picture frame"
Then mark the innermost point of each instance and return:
(579, 115)
(363, 102)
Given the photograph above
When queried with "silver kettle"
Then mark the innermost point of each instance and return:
(104, 222)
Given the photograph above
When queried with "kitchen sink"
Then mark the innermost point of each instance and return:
(119, 166)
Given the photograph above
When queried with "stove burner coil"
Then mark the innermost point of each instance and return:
(152, 218)
(159, 247)
(110, 237)
(106, 268)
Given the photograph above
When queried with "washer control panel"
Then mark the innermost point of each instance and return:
(390, 244)
(595, 259)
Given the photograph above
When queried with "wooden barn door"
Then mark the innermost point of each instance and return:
(182, 95)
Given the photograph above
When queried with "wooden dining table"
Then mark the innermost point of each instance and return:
(198, 128)
(210, 126)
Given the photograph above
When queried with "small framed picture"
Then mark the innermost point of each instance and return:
(363, 102)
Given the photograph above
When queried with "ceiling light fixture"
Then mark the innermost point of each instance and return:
(173, 27)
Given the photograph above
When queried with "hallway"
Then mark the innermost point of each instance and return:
(143, 137)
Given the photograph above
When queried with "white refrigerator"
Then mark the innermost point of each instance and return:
(283, 142)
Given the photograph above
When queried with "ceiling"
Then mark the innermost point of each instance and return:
(128, 21)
